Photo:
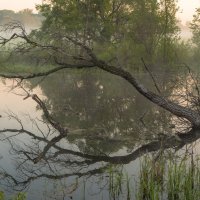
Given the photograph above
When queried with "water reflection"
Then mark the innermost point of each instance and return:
(103, 109)
(94, 125)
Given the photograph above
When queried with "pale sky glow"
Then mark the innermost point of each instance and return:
(17, 5)
(187, 7)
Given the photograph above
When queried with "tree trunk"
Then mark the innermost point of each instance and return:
(192, 116)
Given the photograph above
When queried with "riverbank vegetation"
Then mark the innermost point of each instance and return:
(120, 32)
(18, 196)
(174, 178)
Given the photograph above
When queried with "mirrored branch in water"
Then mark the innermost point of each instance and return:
(58, 162)
(50, 156)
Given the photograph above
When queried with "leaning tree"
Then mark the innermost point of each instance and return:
(63, 58)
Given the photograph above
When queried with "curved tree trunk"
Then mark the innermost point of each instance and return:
(192, 116)
(168, 105)
(172, 107)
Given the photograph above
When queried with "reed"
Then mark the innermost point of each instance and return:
(172, 180)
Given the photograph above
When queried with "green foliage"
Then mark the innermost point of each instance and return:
(122, 29)
(151, 180)
(90, 18)
(2, 196)
(172, 180)
(115, 182)
(119, 31)
(18, 196)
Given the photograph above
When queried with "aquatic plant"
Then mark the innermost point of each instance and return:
(18, 196)
(172, 180)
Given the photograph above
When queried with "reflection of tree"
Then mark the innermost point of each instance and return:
(49, 155)
(60, 162)
(103, 113)
(91, 60)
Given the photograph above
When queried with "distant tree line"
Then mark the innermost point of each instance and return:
(25, 16)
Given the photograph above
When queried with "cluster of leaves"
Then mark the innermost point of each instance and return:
(119, 30)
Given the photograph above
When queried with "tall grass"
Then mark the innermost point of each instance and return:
(174, 178)
(115, 182)
(171, 180)
(18, 196)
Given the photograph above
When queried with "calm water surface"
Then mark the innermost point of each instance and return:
(105, 117)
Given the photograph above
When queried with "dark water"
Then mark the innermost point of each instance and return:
(111, 127)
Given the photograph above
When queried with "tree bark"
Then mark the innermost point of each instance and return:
(192, 116)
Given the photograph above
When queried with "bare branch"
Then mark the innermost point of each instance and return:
(151, 75)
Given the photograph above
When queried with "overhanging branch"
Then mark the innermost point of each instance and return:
(176, 109)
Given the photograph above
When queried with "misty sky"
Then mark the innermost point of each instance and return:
(187, 7)
(17, 5)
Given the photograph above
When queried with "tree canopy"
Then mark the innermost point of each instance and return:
(109, 35)
(114, 28)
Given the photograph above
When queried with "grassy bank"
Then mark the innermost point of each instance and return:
(172, 179)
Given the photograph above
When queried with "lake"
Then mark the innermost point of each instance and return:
(111, 131)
